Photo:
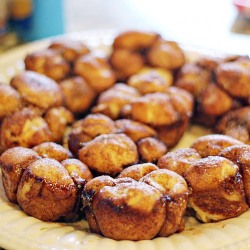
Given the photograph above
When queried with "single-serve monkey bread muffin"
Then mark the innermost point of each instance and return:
(44, 187)
(149, 202)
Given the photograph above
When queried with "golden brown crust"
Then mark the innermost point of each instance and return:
(48, 62)
(214, 101)
(123, 208)
(193, 78)
(137, 171)
(154, 109)
(175, 190)
(151, 149)
(182, 101)
(90, 189)
(137, 213)
(179, 160)
(96, 184)
(10, 100)
(129, 48)
(135, 40)
(24, 128)
(212, 145)
(135, 130)
(96, 71)
(150, 80)
(13, 162)
(126, 62)
(111, 101)
(109, 153)
(234, 77)
(211, 62)
(46, 191)
(96, 124)
(78, 171)
(165, 54)
(217, 189)
(78, 95)
(88, 128)
(57, 119)
(37, 89)
(236, 123)
(240, 155)
(52, 150)
(210, 172)
(70, 49)
(150, 204)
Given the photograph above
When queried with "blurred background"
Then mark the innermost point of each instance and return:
(217, 24)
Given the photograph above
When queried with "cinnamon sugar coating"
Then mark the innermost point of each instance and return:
(48, 62)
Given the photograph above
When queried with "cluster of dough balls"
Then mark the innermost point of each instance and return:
(131, 108)
(144, 200)
(167, 112)
(45, 181)
(32, 111)
(66, 79)
(221, 90)
(133, 50)
(108, 146)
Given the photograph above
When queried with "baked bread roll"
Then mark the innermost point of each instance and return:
(239, 155)
(153, 203)
(24, 128)
(150, 80)
(58, 119)
(151, 149)
(37, 90)
(13, 162)
(234, 77)
(135, 130)
(52, 150)
(96, 71)
(10, 100)
(236, 123)
(112, 101)
(48, 62)
(179, 160)
(212, 145)
(46, 191)
(70, 49)
(217, 190)
(78, 95)
(86, 129)
(109, 154)
(166, 54)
